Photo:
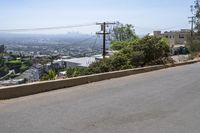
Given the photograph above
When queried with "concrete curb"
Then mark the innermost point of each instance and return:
(39, 87)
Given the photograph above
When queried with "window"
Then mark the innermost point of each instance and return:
(181, 36)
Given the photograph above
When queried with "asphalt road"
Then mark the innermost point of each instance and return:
(165, 101)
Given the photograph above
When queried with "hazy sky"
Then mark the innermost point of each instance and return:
(146, 15)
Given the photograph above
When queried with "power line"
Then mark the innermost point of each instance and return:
(47, 28)
(68, 27)
(146, 28)
(95, 42)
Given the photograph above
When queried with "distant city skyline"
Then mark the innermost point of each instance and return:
(145, 15)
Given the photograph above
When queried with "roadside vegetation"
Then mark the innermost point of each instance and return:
(50, 75)
(193, 43)
(18, 64)
(131, 52)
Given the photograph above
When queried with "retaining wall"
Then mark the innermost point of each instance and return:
(39, 87)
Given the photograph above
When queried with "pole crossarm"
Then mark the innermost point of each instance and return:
(104, 33)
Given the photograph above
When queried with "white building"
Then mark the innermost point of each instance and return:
(80, 62)
(75, 62)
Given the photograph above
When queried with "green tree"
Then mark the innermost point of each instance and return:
(194, 47)
(23, 68)
(1, 60)
(137, 58)
(148, 49)
(193, 44)
(195, 9)
(119, 61)
(28, 63)
(154, 48)
(51, 75)
(100, 66)
(80, 72)
(118, 45)
(124, 32)
(3, 71)
(75, 72)
(14, 65)
(45, 77)
(70, 72)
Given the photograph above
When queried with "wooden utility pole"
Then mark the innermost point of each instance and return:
(104, 33)
(192, 27)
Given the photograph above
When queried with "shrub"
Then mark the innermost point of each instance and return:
(51, 75)
(133, 53)
(74, 72)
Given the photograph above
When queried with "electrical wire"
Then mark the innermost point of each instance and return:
(146, 28)
(47, 28)
(70, 26)
(95, 42)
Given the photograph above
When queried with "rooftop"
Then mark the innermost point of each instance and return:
(84, 61)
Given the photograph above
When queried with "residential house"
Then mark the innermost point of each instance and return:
(176, 38)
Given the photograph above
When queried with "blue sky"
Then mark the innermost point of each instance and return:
(146, 15)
